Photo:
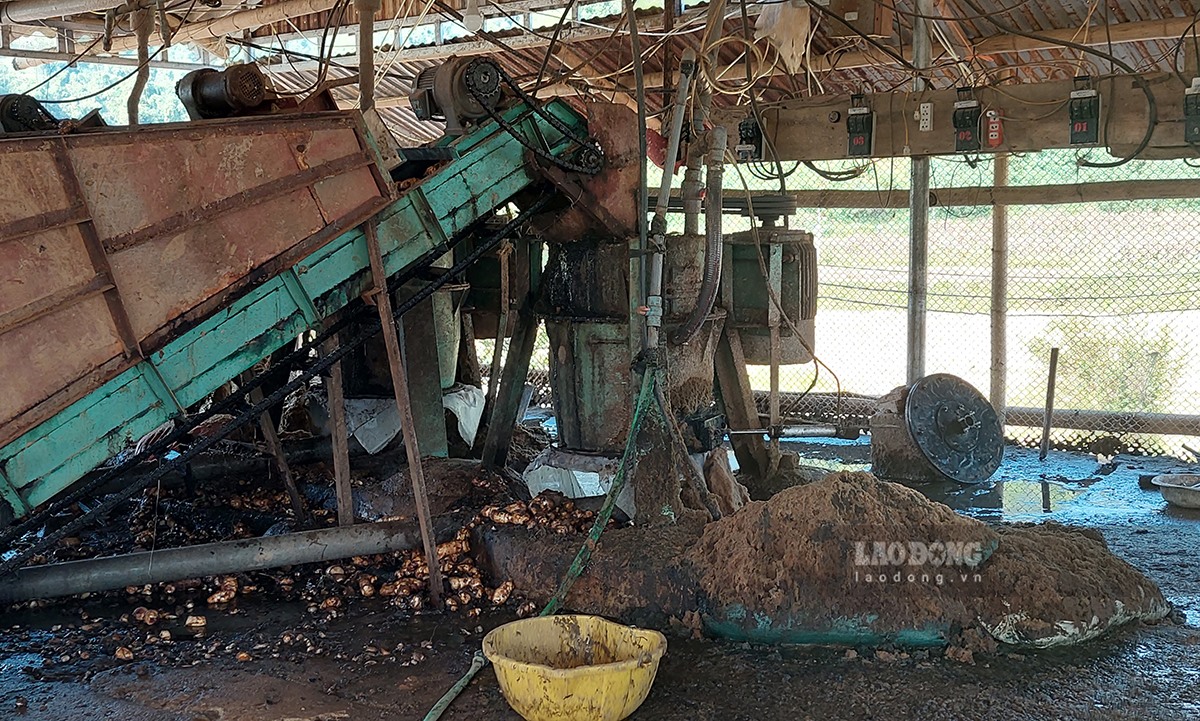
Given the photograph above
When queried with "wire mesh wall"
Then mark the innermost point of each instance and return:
(1115, 285)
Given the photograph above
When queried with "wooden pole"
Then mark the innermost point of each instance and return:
(918, 245)
(999, 377)
(383, 302)
(276, 448)
(1048, 416)
(339, 435)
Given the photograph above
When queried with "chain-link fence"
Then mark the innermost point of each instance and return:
(1115, 285)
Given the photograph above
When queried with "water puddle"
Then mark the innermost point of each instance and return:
(1017, 500)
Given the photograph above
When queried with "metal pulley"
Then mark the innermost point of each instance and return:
(955, 427)
(457, 91)
(938, 428)
(24, 114)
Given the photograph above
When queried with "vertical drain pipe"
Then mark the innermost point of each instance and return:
(714, 237)
(658, 227)
(691, 187)
(366, 52)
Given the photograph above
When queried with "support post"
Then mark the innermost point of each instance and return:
(504, 254)
(503, 417)
(383, 301)
(468, 357)
(738, 399)
(1048, 416)
(422, 365)
(918, 246)
(999, 378)
(340, 438)
(366, 52)
(501, 413)
(267, 425)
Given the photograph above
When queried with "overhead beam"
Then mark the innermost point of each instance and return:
(54, 57)
(1002, 44)
(1056, 194)
(235, 23)
(464, 48)
(1036, 118)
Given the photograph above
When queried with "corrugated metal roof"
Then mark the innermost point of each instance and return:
(613, 54)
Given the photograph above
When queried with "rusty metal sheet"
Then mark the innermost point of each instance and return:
(41, 357)
(122, 238)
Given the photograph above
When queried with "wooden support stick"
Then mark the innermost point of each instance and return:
(335, 395)
(501, 325)
(741, 413)
(383, 302)
(1048, 418)
(503, 418)
(276, 448)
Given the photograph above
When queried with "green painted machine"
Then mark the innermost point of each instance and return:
(143, 268)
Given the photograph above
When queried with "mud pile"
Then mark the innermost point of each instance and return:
(855, 559)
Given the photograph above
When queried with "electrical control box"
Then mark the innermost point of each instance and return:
(1085, 113)
(750, 141)
(860, 124)
(869, 17)
(966, 122)
(1191, 113)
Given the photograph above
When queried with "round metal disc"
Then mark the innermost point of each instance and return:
(955, 427)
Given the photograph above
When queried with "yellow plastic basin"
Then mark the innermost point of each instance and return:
(574, 668)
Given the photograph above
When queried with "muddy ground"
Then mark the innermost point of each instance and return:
(371, 662)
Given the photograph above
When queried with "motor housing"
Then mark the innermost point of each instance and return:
(458, 91)
(208, 93)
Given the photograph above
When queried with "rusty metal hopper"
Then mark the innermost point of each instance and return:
(113, 242)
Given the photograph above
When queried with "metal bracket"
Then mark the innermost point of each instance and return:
(159, 386)
(429, 219)
(13, 497)
(291, 282)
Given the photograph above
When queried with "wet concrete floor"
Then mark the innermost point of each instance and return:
(369, 662)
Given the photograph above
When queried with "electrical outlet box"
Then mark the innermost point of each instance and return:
(925, 118)
(869, 17)
(994, 128)
(1191, 113)
(966, 126)
(1085, 115)
(750, 141)
(860, 125)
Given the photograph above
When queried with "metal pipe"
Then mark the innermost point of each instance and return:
(686, 68)
(366, 52)
(918, 247)
(1048, 416)
(174, 564)
(714, 238)
(999, 377)
(658, 226)
(690, 189)
(230, 24)
(27, 11)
